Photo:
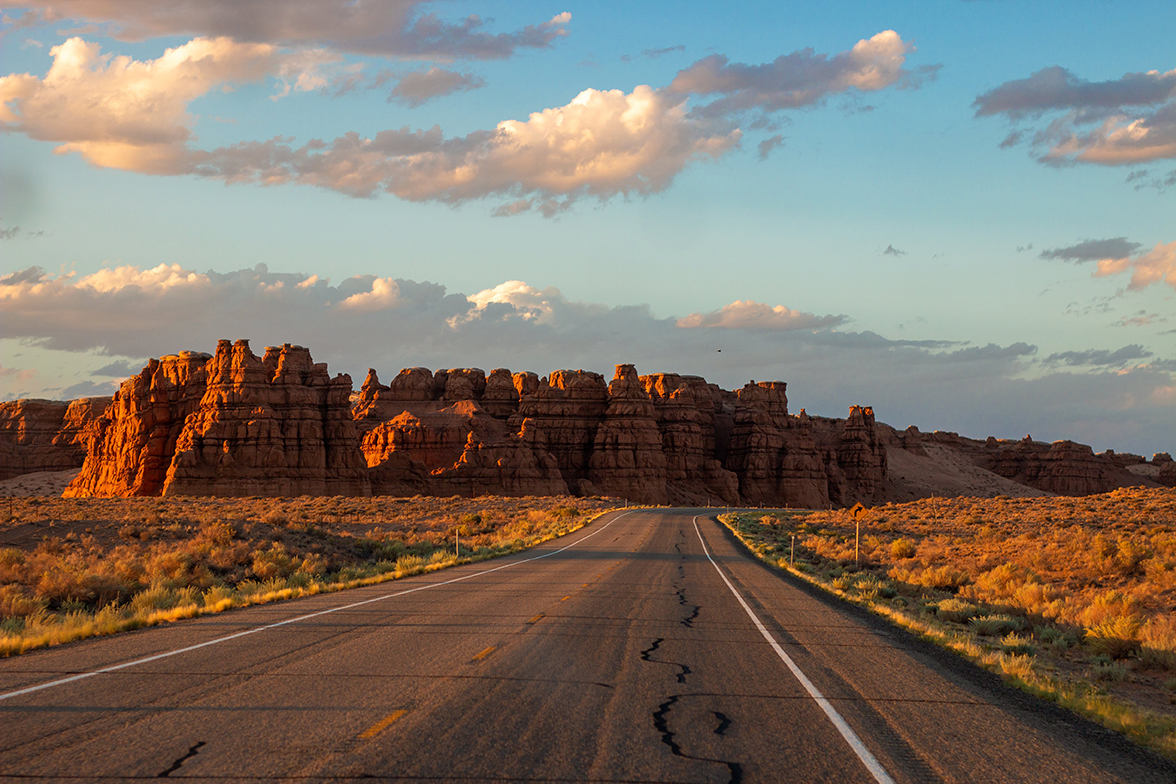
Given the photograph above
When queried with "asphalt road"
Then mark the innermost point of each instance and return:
(620, 653)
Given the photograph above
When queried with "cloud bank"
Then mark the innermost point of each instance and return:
(389, 28)
(1123, 398)
(122, 113)
(1066, 119)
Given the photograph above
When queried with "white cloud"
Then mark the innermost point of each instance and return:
(392, 28)
(384, 294)
(603, 144)
(122, 113)
(747, 314)
(1156, 266)
(1119, 122)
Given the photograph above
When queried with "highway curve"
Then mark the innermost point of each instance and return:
(622, 652)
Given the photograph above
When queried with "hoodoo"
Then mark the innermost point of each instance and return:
(235, 424)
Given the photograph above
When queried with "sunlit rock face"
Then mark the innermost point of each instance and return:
(231, 424)
(45, 435)
(235, 424)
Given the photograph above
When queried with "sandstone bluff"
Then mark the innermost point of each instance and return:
(235, 424)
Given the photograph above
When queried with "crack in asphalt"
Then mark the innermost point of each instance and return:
(180, 761)
(661, 723)
(645, 656)
(660, 716)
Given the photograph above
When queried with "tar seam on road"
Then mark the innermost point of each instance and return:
(869, 760)
(226, 638)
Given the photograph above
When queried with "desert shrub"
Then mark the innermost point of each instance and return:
(943, 578)
(902, 548)
(1106, 669)
(17, 601)
(1015, 642)
(275, 562)
(1115, 637)
(843, 582)
(1158, 642)
(996, 624)
(220, 533)
(956, 610)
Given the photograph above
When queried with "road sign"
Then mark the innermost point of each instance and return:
(858, 511)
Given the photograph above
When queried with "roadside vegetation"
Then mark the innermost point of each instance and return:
(75, 568)
(1071, 599)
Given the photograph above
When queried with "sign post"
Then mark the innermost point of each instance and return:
(858, 511)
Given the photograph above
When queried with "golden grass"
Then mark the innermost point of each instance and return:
(77, 568)
(1068, 598)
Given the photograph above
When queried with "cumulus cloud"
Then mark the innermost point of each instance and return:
(802, 78)
(1093, 250)
(391, 28)
(1100, 357)
(124, 313)
(750, 315)
(122, 113)
(417, 87)
(602, 144)
(1118, 122)
(1156, 266)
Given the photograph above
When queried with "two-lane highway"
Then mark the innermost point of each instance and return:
(645, 647)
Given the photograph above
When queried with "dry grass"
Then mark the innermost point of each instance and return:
(1070, 598)
(75, 568)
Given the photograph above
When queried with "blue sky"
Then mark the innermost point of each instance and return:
(886, 248)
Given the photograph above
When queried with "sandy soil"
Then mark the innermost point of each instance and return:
(945, 472)
(41, 483)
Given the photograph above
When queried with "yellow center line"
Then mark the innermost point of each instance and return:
(565, 598)
(381, 725)
(485, 653)
(536, 619)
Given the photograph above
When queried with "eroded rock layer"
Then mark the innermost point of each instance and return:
(236, 424)
(45, 435)
(231, 424)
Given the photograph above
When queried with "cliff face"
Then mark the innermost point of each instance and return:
(1063, 467)
(235, 424)
(45, 435)
(227, 425)
(129, 448)
(276, 426)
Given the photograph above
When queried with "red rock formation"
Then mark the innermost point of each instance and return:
(228, 425)
(561, 418)
(627, 458)
(278, 426)
(774, 454)
(500, 398)
(1062, 467)
(129, 448)
(45, 435)
(861, 457)
(687, 426)
(434, 433)
(503, 467)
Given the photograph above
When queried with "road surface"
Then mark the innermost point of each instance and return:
(645, 647)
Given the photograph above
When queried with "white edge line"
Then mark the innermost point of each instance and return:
(869, 760)
(226, 638)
